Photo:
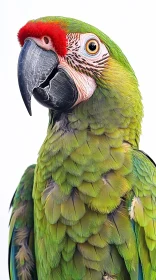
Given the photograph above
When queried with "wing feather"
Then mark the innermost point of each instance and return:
(21, 243)
(143, 211)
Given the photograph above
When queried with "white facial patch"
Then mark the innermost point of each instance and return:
(86, 53)
(85, 61)
(102, 52)
(85, 84)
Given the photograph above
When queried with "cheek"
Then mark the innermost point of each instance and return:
(86, 85)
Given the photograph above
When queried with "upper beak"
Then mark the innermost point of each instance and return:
(40, 74)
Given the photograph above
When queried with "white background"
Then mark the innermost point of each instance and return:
(130, 23)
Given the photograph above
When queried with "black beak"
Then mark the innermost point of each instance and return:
(40, 75)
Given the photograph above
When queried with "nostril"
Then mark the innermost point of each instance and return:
(46, 40)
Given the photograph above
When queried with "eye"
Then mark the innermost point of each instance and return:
(92, 46)
(46, 40)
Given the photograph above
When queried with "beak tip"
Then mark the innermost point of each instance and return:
(28, 107)
(29, 111)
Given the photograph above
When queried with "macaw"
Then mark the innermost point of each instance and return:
(87, 209)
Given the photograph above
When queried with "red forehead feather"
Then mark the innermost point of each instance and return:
(39, 29)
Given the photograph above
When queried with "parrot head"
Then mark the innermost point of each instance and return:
(73, 68)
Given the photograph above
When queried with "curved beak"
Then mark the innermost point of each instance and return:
(40, 75)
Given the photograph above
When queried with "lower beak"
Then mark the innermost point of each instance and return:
(40, 75)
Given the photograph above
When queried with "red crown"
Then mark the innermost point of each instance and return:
(39, 29)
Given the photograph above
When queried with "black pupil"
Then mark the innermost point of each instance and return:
(92, 46)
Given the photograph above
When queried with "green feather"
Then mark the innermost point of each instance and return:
(73, 209)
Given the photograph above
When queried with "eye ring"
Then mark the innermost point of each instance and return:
(92, 46)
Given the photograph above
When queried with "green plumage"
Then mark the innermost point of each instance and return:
(93, 200)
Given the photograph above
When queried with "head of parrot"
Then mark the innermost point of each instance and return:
(72, 67)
